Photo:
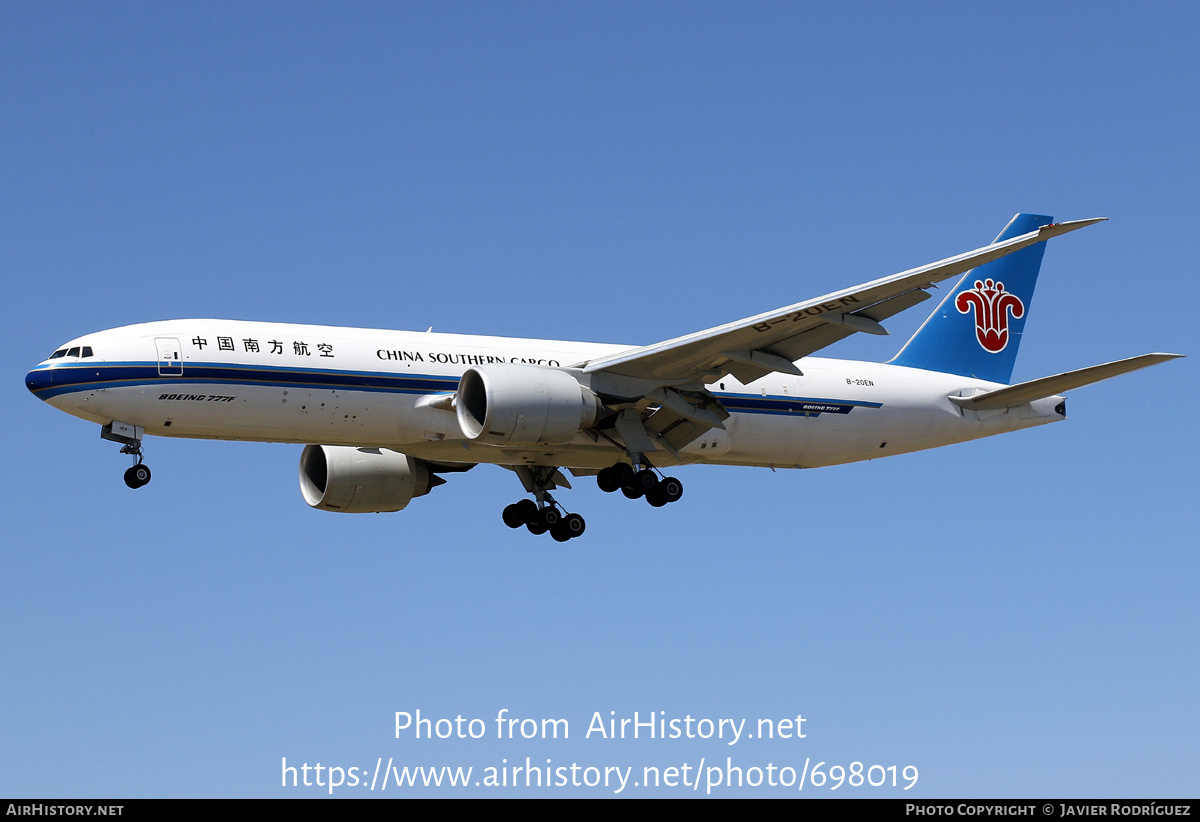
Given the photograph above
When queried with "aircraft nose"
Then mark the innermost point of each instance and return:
(39, 379)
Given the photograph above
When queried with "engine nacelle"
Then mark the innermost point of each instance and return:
(361, 480)
(511, 404)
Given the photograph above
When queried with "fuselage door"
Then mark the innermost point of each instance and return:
(170, 360)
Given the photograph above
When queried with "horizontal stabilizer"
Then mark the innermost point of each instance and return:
(1024, 392)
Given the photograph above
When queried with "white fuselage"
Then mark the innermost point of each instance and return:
(274, 382)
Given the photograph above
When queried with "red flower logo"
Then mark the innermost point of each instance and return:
(992, 306)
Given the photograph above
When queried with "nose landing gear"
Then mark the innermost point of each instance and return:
(130, 437)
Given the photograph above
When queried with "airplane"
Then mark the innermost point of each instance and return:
(383, 415)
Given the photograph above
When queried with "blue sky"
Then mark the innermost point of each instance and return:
(1014, 617)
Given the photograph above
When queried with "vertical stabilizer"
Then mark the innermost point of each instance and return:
(976, 329)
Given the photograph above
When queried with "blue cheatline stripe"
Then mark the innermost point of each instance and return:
(94, 376)
(120, 375)
(791, 405)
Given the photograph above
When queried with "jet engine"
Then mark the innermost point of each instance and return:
(361, 480)
(511, 404)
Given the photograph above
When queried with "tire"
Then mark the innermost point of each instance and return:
(672, 489)
(607, 480)
(549, 517)
(527, 508)
(646, 480)
(622, 472)
(519, 513)
(137, 476)
(574, 525)
(512, 517)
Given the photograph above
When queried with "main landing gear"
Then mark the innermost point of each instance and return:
(634, 483)
(545, 515)
(130, 437)
(548, 518)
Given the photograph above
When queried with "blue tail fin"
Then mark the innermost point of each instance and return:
(977, 328)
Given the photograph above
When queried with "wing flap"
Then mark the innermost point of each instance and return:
(674, 431)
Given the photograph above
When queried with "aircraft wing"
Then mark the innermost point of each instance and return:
(756, 346)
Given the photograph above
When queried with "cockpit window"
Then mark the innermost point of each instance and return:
(75, 351)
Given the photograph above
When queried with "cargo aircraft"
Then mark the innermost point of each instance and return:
(385, 415)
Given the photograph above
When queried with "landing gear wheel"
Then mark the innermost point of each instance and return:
(607, 480)
(569, 527)
(670, 488)
(574, 525)
(549, 517)
(645, 480)
(137, 476)
(511, 518)
(544, 520)
(519, 513)
(622, 472)
(639, 484)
